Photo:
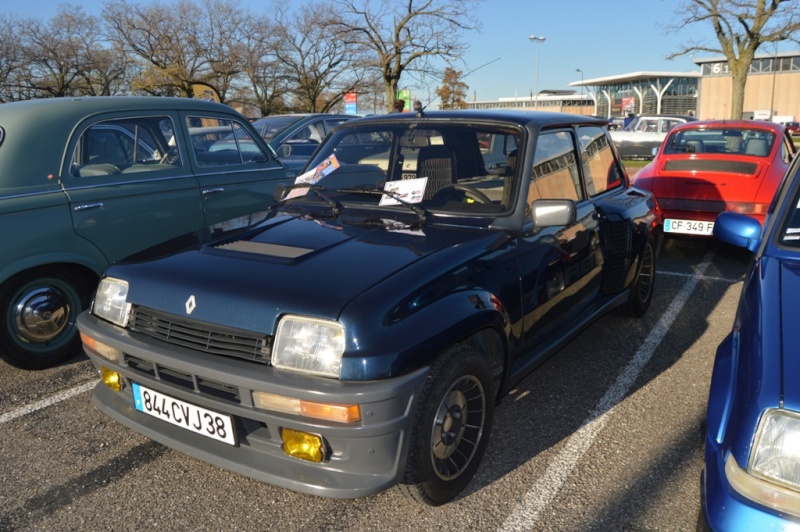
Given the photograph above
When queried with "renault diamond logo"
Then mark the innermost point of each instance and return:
(191, 304)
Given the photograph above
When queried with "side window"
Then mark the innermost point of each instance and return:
(786, 150)
(125, 146)
(555, 168)
(599, 165)
(222, 142)
(332, 123)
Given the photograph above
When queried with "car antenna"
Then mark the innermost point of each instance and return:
(420, 109)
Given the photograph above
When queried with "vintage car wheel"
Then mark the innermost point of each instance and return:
(451, 427)
(642, 290)
(39, 312)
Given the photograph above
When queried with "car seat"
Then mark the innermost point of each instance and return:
(757, 147)
(438, 164)
(695, 146)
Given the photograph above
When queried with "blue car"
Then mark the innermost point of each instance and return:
(360, 336)
(751, 479)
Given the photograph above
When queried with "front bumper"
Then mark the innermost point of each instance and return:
(362, 458)
(726, 509)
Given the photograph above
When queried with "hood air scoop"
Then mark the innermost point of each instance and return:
(262, 248)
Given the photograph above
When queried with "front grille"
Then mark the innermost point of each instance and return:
(201, 336)
(182, 379)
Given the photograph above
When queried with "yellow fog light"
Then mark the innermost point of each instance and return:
(106, 351)
(302, 445)
(111, 378)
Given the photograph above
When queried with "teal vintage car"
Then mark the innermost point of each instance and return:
(87, 181)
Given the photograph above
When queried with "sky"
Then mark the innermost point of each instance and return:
(598, 38)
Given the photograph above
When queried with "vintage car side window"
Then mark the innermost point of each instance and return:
(599, 165)
(222, 142)
(555, 168)
(125, 146)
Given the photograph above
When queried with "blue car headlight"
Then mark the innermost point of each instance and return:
(772, 477)
(776, 448)
(310, 345)
(110, 302)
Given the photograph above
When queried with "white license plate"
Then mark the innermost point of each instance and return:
(688, 227)
(185, 415)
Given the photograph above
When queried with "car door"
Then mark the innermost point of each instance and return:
(236, 172)
(126, 190)
(560, 266)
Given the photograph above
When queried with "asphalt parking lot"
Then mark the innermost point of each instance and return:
(607, 435)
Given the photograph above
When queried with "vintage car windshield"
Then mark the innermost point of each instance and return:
(446, 168)
(743, 141)
(790, 232)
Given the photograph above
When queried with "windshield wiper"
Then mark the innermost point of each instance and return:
(372, 189)
(319, 190)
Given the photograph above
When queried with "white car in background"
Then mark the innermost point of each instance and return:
(644, 133)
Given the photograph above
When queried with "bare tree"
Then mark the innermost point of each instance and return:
(163, 40)
(11, 59)
(405, 37)
(318, 63)
(741, 28)
(264, 87)
(58, 53)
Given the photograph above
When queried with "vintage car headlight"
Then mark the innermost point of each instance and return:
(309, 345)
(110, 302)
(776, 448)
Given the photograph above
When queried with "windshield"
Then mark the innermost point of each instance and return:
(743, 141)
(447, 168)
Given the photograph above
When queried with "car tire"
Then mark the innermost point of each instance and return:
(643, 286)
(451, 427)
(39, 310)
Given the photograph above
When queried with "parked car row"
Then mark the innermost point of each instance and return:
(351, 327)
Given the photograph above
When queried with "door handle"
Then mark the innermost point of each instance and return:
(87, 206)
(213, 190)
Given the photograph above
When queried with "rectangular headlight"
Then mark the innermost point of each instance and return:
(776, 448)
(111, 303)
(310, 345)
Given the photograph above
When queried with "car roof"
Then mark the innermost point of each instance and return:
(30, 125)
(535, 119)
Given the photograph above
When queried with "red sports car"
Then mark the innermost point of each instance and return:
(706, 167)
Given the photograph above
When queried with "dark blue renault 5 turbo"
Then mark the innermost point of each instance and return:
(360, 336)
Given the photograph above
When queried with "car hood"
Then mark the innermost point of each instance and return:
(289, 264)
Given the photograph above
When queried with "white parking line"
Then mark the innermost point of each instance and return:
(44, 403)
(703, 277)
(527, 513)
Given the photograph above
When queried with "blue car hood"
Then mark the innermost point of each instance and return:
(289, 264)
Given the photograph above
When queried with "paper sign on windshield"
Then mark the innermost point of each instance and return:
(314, 175)
(408, 190)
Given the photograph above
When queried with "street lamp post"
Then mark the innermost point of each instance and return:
(537, 40)
(581, 71)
